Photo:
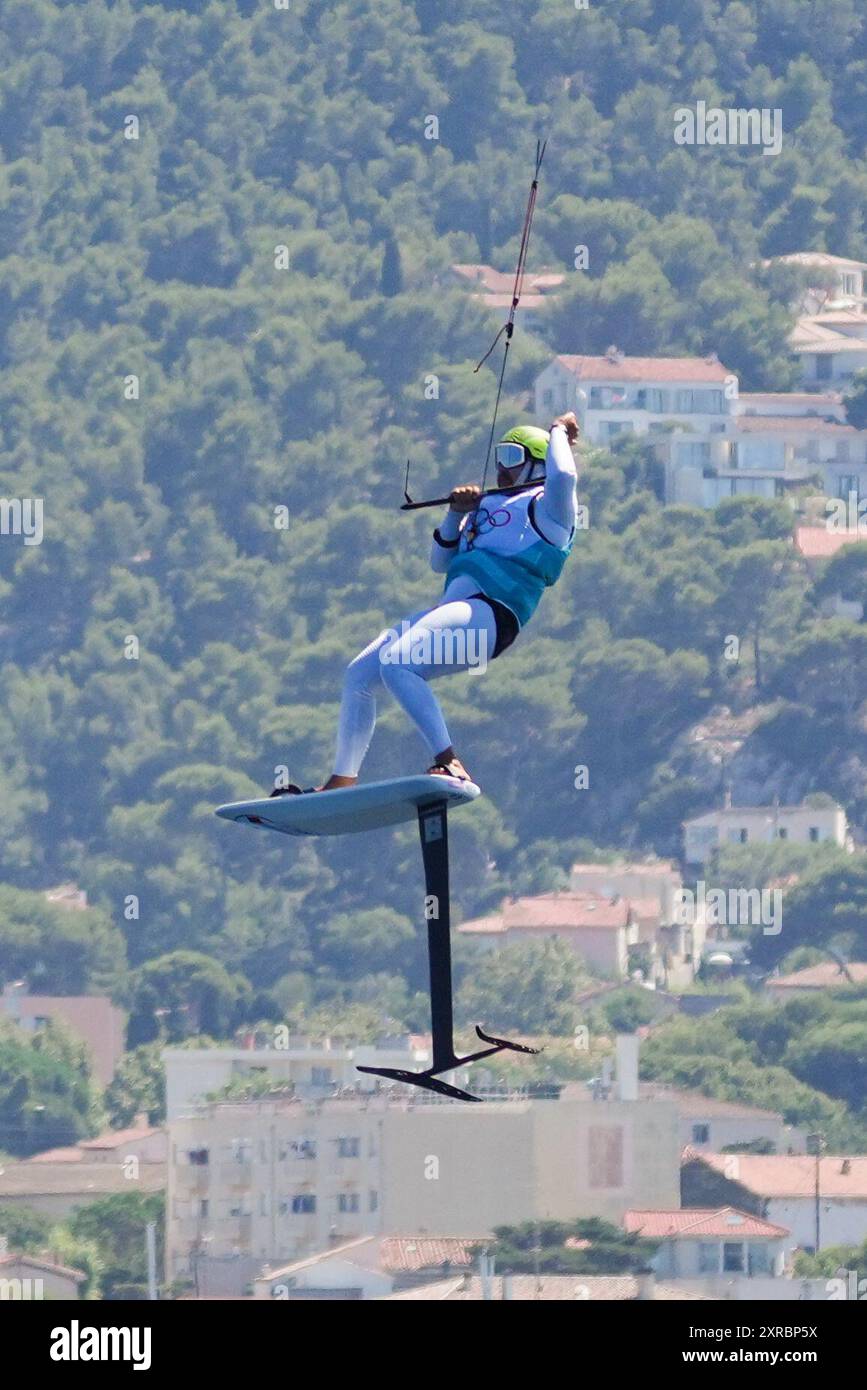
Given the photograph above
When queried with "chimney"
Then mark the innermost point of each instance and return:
(507, 1286)
(486, 1276)
(141, 1120)
(627, 1066)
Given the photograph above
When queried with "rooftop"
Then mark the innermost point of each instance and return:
(826, 975)
(819, 543)
(566, 910)
(618, 367)
(698, 1223)
(790, 1175)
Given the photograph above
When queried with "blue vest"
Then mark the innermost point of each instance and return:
(512, 562)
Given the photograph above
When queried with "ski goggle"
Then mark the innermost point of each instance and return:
(513, 456)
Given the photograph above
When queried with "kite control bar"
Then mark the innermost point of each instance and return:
(410, 506)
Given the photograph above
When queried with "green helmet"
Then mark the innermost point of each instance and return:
(525, 444)
(534, 440)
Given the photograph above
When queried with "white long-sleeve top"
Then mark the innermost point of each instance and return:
(556, 512)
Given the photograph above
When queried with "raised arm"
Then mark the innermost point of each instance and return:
(558, 505)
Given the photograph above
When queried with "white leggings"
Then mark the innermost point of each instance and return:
(451, 637)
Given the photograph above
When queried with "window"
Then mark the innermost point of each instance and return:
(373, 1204)
(547, 397)
(320, 1076)
(348, 1202)
(708, 1257)
(824, 366)
(204, 1208)
(733, 1257)
(814, 834)
(693, 455)
(303, 1204)
(744, 835)
(782, 833)
(759, 1258)
(849, 283)
(701, 1134)
(348, 1147)
(198, 1157)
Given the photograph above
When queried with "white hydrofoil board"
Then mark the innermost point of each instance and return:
(349, 809)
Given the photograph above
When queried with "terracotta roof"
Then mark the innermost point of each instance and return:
(697, 1223)
(32, 1262)
(686, 369)
(70, 1155)
(566, 911)
(818, 542)
(792, 1175)
(23, 1179)
(117, 1138)
(409, 1254)
(826, 975)
(548, 1288)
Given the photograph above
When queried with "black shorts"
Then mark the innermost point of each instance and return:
(508, 626)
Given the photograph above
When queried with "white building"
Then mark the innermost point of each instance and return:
(831, 348)
(617, 395)
(745, 825)
(712, 442)
(273, 1182)
(839, 281)
(312, 1069)
(785, 1186)
(695, 1241)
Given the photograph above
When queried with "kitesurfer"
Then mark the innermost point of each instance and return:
(498, 554)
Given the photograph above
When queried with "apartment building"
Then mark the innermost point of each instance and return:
(686, 405)
(712, 441)
(311, 1068)
(744, 825)
(271, 1182)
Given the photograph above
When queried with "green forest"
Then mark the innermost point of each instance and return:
(226, 241)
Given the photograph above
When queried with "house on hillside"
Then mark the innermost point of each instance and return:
(599, 929)
(494, 290)
(816, 979)
(707, 1241)
(92, 1017)
(782, 1189)
(748, 825)
(839, 282)
(816, 544)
